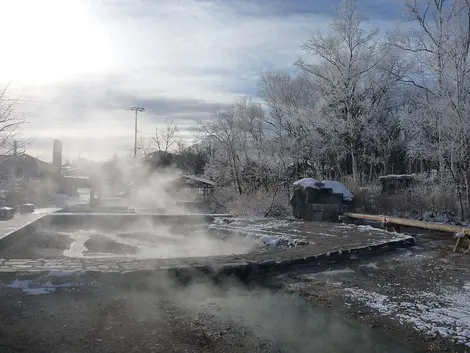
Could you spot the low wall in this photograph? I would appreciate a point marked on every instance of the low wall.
(118, 220)
(21, 236)
(187, 269)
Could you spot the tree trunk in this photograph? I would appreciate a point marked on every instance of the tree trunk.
(354, 163)
(458, 187)
(385, 167)
(237, 176)
(466, 188)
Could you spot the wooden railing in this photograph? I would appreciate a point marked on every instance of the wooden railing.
(459, 231)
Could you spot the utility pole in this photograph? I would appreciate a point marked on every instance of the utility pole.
(135, 109)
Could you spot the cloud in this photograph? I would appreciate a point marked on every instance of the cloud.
(179, 59)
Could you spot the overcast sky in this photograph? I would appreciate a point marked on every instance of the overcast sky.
(77, 64)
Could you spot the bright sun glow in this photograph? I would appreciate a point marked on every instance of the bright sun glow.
(44, 41)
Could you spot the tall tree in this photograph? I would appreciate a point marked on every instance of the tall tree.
(439, 45)
(351, 78)
(11, 121)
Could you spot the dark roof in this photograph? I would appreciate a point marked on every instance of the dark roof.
(199, 180)
(397, 177)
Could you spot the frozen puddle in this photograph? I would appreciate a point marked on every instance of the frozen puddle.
(445, 313)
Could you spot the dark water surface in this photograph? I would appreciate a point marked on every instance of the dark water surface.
(291, 324)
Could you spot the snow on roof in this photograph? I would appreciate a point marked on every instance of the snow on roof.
(335, 186)
(339, 188)
(78, 177)
(309, 182)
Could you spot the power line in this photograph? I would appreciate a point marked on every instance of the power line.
(59, 103)
(136, 109)
(73, 104)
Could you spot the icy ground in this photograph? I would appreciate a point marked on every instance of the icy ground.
(268, 232)
(285, 233)
(444, 312)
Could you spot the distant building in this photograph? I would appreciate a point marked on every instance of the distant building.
(24, 166)
(57, 154)
(158, 159)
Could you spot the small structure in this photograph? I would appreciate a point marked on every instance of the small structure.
(94, 198)
(393, 183)
(205, 185)
(6, 212)
(319, 201)
(27, 208)
(24, 166)
(100, 203)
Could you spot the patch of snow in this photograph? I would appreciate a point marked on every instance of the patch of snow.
(339, 188)
(268, 232)
(29, 287)
(334, 284)
(270, 241)
(372, 265)
(379, 302)
(327, 235)
(445, 313)
(20, 284)
(218, 221)
(336, 272)
(35, 291)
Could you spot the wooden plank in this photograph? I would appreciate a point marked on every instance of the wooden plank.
(366, 216)
(411, 223)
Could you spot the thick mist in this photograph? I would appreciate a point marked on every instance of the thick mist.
(184, 232)
(284, 322)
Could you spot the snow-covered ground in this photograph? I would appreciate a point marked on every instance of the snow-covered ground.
(424, 287)
(269, 232)
(444, 312)
(292, 233)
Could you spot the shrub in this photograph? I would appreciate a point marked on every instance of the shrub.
(271, 203)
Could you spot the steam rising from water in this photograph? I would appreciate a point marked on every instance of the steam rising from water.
(284, 323)
(151, 192)
(158, 241)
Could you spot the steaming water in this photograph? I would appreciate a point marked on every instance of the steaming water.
(77, 248)
(160, 243)
(287, 321)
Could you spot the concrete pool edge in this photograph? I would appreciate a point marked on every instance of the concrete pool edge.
(23, 226)
(57, 216)
(83, 270)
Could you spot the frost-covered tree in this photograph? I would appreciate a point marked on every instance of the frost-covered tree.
(289, 120)
(354, 77)
(438, 44)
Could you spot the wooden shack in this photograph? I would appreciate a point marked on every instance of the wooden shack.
(316, 203)
(393, 183)
(205, 186)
